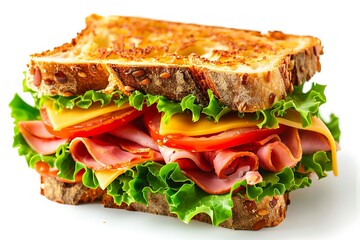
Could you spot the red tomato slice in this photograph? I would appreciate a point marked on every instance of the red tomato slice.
(101, 124)
(44, 170)
(226, 139)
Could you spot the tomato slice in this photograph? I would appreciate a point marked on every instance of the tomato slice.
(95, 126)
(226, 139)
(44, 170)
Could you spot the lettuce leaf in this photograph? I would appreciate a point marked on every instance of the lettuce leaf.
(319, 162)
(188, 103)
(214, 109)
(186, 200)
(306, 103)
(22, 111)
(86, 100)
(333, 126)
(136, 183)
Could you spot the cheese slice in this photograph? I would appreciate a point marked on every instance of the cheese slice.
(181, 123)
(105, 177)
(293, 120)
(69, 117)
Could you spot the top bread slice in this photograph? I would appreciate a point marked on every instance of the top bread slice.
(246, 70)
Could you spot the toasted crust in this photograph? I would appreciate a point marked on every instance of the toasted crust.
(68, 193)
(247, 214)
(246, 70)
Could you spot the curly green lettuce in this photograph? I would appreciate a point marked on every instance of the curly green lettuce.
(306, 103)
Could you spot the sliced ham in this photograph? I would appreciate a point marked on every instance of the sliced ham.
(212, 184)
(215, 172)
(109, 151)
(39, 138)
(37, 128)
(131, 133)
(185, 159)
(229, 163)
(312, 142)
(97, 154)
(276, 155)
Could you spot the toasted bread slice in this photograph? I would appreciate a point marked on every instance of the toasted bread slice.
(68, 193)
(247, 214)
(246, 70)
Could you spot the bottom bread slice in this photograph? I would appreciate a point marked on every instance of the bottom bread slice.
(246, 214)
(68, 193)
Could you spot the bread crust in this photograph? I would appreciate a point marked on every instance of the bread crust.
(243, 83)
(68, 193)
(247, 214)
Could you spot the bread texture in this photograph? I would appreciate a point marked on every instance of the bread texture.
(247, 214)
(246, 70)
(68, 193)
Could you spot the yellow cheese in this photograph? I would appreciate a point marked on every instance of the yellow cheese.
(70, 117)
(182, 124)
(105, 177)
(293, 120)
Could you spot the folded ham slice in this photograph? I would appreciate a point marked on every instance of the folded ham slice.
(312, 142)
(113, 150)
(212, 184)
(185, 159)
(133, 134)
(215, 172)
(39, 138)
(276, 155)
(229, 163)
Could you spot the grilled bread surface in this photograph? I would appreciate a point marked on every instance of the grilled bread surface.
(246, 70)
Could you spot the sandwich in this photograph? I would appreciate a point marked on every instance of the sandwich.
(190, 121)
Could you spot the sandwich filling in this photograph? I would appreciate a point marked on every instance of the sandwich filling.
(198, 156)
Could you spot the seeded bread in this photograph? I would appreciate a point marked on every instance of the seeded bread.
(246, 70)
(68, 193)
(247, 214)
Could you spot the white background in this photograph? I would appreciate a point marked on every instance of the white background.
(327, 210)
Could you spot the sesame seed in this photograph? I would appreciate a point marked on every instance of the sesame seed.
(68, 94)
(165, 75)
(145, 82)
(82, 74)
(129, 88)
(263, 212)
(138, 73)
